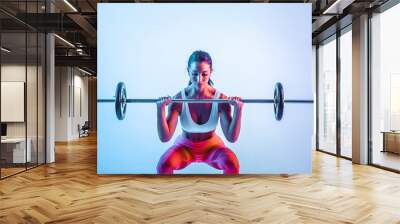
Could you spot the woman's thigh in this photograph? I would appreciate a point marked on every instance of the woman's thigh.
(175, 158)
(223, 158)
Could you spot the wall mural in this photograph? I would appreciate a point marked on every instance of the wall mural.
(204, 88)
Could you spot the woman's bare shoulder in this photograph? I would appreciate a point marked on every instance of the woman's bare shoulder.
(222, 96)
(224, 106)
(178, 95)
(177, 106)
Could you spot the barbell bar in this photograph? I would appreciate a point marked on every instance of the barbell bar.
(152, 100)
(121, 101)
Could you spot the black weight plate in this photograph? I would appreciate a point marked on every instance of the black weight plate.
(120, 101)
(279, 101)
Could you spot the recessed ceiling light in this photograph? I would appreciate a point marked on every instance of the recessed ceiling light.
(5, 50)
(70, 5)
(65, 41)
(84, 71)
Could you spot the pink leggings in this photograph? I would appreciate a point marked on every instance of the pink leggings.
(211, 151)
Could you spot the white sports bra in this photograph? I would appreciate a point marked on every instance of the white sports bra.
(188, 125)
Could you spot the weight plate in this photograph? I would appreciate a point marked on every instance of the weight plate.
(279, 101)
(120, 101)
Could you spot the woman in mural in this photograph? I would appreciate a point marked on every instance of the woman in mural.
(198, 141)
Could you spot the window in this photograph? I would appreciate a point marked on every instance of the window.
(327, 96)
(346, 93)
(385, 89)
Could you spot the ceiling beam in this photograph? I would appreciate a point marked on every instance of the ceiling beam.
(86, 26)
(82, 61)
(337, 6)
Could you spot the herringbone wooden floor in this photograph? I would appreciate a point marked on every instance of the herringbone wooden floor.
(70, 191)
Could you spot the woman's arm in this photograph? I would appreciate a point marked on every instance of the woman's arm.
(231, 125)
(166, 124)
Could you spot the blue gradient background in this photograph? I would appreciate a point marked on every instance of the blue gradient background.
(253, 46)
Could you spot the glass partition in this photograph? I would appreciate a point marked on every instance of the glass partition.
(41, 91)
(32, 95)
(14, 153)
(22, 88)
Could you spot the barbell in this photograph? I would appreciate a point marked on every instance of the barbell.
(121, 101)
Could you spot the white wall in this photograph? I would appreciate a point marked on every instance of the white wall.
(61, 103)
(71, 94)
(81, 84)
